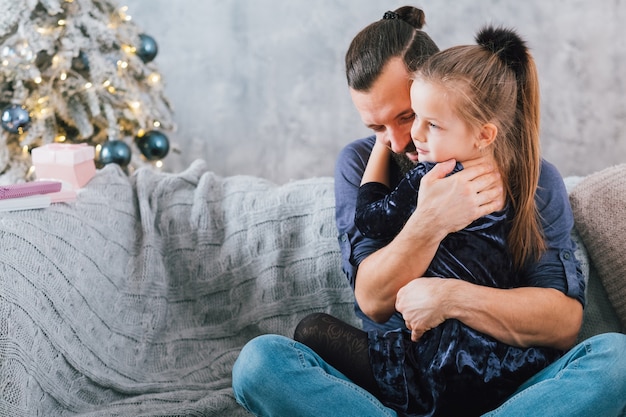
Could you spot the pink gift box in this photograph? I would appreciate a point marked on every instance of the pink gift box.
(71, 163)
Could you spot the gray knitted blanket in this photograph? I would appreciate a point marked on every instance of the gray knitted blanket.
(136, 299)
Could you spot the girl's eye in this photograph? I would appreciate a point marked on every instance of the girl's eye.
(434, 126)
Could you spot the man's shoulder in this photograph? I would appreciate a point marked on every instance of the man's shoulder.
(552, 199)
(551, 186)
(353, 158)
(360, 148)
(549, 174)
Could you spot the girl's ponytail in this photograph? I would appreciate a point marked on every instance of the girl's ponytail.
(526, 237)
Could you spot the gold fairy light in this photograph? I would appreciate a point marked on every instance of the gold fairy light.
(122, 13)
(44, 30)
(154, 78)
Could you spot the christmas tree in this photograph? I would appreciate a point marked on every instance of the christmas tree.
(78, 71)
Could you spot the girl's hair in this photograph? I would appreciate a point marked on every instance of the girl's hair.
(397, 34)
(496, 82)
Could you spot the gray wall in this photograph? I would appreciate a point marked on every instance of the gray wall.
(258, 86)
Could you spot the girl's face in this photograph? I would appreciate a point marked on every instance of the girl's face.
(437, 132)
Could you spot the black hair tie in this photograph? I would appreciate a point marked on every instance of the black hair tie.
(391, 15)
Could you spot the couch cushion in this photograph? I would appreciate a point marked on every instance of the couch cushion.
(598, 203)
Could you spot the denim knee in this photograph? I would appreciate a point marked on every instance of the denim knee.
(614, 346)
(249, 364)
(256, 365)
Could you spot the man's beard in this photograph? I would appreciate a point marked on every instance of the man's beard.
(404, 163)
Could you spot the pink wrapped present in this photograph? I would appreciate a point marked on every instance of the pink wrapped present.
(71, 163)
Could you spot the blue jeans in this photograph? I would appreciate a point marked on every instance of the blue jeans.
(276, 376)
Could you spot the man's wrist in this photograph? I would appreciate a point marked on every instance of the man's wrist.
(454, 292)
(426, 226)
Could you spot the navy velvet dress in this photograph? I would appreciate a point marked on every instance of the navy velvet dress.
(453, 370)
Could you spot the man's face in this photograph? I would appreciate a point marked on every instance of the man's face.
(386, 109)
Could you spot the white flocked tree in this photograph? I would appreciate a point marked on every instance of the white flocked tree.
(78, 71)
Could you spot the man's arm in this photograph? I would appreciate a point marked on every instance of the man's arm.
(528, 316)
(445, 205)
(545, 310)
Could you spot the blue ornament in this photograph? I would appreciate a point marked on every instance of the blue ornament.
(15, 119)
(147, 49)
(115, 151)
(153, 145)
(81, 62)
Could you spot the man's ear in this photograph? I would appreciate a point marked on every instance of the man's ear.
(487, 135)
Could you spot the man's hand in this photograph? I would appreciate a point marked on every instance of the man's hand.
(458, 200)
(422, 305)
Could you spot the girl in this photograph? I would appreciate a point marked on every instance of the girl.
(470, 102)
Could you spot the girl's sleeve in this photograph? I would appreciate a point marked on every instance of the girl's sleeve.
(381, 213)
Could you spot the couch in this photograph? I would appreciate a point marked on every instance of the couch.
(135, 299)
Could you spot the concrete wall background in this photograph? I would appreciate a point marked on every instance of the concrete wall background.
(258, 86)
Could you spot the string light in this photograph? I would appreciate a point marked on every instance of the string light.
(44, 31)
(122, 13)
(154, 78)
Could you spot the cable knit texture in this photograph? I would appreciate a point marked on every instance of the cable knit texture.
(136, 299)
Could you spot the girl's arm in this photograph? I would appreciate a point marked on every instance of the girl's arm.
(377, 169)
